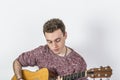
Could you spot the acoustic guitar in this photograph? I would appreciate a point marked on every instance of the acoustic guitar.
(45, 74)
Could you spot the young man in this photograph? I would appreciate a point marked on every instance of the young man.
(55, 55)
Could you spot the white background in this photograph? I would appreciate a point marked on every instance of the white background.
(93, 28)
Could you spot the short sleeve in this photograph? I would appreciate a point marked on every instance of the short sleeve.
(29, 58)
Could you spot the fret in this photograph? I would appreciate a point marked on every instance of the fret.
(79, 75)
(52, 78)
(83, 74)
(64, 78)
(75, 75)
(72, 77)
(68, 77)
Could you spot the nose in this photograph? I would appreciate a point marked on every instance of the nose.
(54, 44)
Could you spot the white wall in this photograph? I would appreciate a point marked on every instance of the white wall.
(92, 25)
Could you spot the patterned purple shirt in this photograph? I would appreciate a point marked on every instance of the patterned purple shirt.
(42, 57)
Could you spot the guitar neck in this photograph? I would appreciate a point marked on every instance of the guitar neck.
(72, 76)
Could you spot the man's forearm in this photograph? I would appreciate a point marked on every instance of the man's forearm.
(17, 69)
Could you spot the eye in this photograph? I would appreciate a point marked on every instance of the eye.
(49, 41)
(58, 40)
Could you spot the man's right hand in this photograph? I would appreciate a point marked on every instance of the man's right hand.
(17, 69)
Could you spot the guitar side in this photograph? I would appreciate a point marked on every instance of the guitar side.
(42, 74)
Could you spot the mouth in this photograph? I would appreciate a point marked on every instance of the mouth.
(55, 50)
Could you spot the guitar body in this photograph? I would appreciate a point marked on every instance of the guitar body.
(42, 74)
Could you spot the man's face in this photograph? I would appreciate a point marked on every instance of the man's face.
(56, 41)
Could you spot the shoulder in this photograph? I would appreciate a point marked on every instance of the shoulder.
(42, 48)
(76, 55)
(79, 59)
(38, 50)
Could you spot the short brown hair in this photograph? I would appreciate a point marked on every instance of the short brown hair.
(52, 25)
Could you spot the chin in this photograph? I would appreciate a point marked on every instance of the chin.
(56, 52)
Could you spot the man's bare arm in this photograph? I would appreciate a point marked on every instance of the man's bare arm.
(17, 69)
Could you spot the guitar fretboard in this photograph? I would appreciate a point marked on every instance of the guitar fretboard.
(72, 76)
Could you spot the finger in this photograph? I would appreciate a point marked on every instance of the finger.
(61, 78)
(58, 78)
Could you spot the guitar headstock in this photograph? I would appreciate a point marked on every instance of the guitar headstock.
(102, 72)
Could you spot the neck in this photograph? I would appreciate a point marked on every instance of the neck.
(64, 52)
